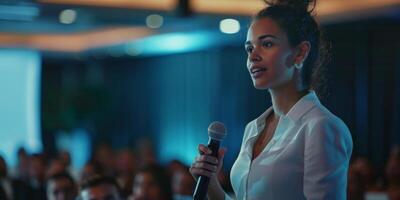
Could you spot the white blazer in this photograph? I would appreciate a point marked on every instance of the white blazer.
(307, 158)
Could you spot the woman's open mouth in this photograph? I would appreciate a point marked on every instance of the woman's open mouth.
(256, 72)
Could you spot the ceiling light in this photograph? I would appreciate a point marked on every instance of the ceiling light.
(154, 21)
(229, 26)
(67, 16)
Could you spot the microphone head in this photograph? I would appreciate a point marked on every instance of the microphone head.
(217, 131)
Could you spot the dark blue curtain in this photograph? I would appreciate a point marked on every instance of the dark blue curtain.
(177, 96)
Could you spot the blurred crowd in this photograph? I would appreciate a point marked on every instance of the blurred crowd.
(367, 183)
(109, 174)
(125, 174)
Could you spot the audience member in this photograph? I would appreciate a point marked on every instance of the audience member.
(151, 183)
(175, 165)
(91, 168)
(65, 158)
(145, 152)
(104, 155)
(22, 171)
(392, 173)
(37, 175)
(55, 167)
(99, 187)
(364, 168)
(355, 186)
(61, 186)
(125, 167)
(183, 184)
(10, 188)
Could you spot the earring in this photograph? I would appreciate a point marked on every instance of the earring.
(298, 66)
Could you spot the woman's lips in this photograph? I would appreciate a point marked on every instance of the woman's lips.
(257, 72)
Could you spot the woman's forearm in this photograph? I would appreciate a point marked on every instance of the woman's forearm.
(215, 191)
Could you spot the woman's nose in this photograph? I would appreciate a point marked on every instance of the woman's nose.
(255, 56)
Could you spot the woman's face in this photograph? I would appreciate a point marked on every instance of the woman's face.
(270, 57)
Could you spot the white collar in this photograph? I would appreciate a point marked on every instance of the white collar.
(301, 107)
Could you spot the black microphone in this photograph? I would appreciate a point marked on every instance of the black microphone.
(216, 133)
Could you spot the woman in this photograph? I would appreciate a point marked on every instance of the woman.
(296, 149)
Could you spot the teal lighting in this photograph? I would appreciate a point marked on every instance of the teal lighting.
(172, 43)
(186, 88)
(77, 143)
(19, 102)
(21, 13)
(180, 143)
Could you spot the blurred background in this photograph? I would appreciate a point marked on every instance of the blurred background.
(85, 78)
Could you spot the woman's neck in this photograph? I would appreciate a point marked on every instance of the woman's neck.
(284, 97)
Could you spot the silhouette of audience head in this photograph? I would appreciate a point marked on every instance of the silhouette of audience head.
(61, 186)
(183, 182)
(392, 170)
(37, 167)
(3, 168)
(91, 168)
(152, 183)
(99, 187)
(355, 186)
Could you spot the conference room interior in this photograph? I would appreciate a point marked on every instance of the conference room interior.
(116, 85)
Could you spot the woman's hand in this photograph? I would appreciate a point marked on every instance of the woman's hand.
(205, 164)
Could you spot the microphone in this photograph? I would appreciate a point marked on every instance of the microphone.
(216, 133)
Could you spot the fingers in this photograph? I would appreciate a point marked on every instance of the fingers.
(221, 153)
(204, 149)
(200, 172)
(205, 164)
(208, 159)
(203, 169)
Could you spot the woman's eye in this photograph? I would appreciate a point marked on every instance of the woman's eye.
(267, 44)
(249, 49)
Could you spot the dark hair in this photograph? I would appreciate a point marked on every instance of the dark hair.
(97, 180)
(296, 18)
(97, 167)
(2, 159)
(161, 177)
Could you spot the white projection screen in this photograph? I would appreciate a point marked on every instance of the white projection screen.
(19, 102)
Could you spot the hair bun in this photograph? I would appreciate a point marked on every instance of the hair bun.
(300, 5)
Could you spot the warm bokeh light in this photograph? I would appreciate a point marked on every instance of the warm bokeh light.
(148, 4)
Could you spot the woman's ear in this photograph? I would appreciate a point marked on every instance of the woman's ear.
(302, 52)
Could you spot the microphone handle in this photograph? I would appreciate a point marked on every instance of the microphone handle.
(200, 192)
